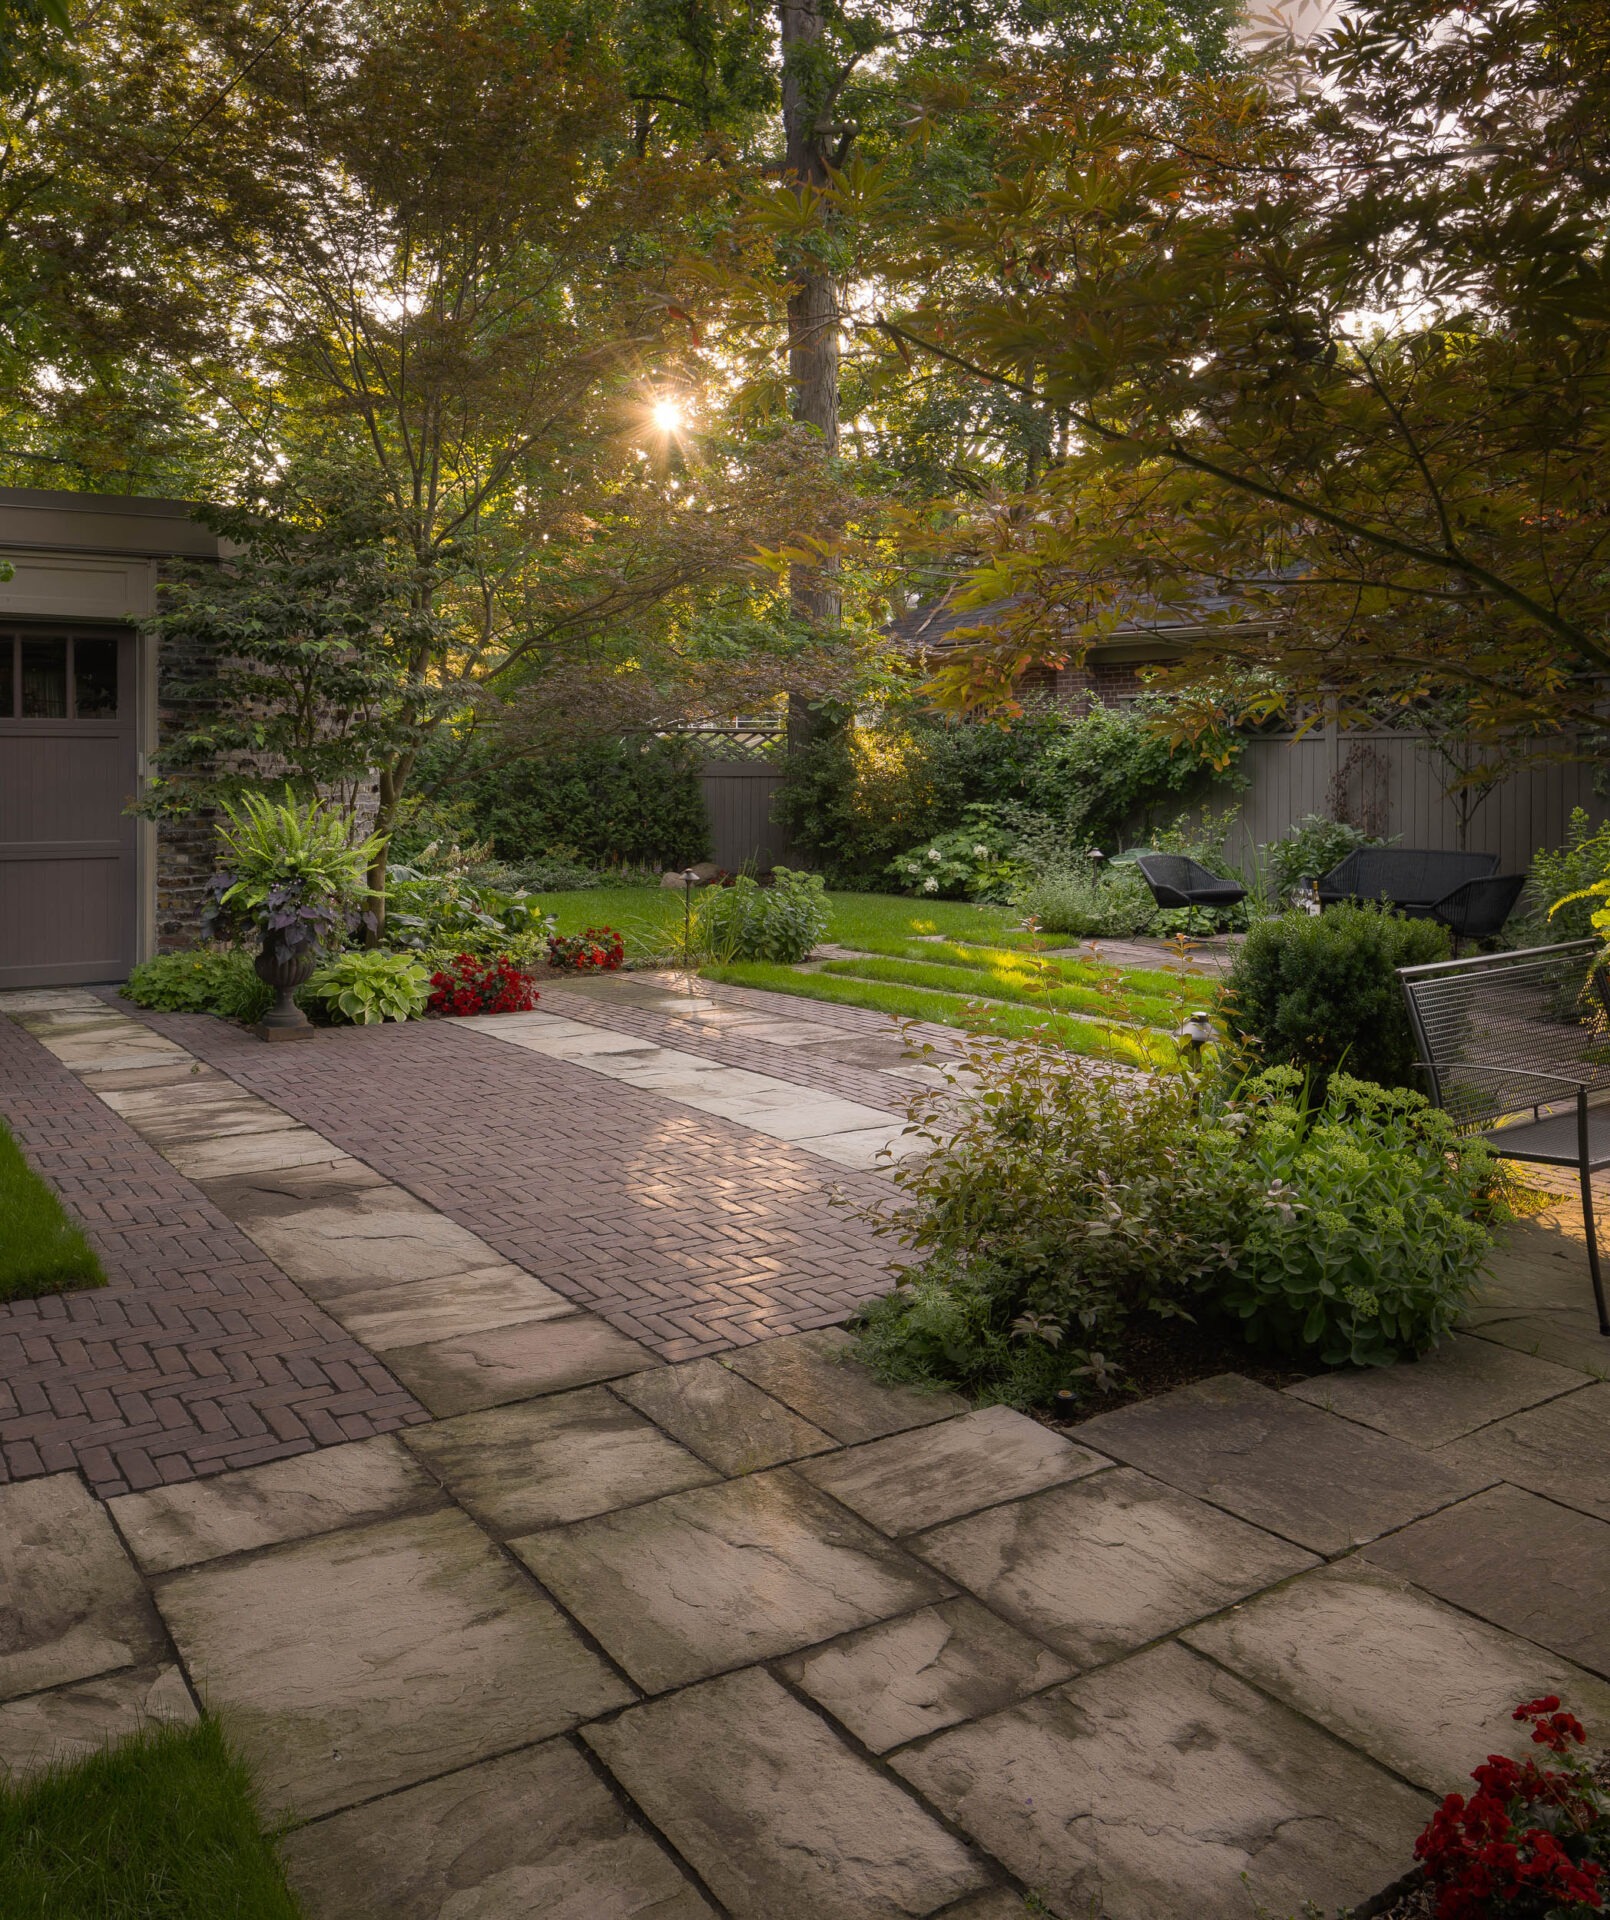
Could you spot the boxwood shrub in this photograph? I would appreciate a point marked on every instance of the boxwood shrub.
(1318, 992)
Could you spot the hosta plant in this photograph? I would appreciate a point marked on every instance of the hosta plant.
(365, 989)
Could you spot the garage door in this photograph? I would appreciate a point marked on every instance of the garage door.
(67, 772)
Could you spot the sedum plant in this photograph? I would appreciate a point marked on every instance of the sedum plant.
(1366, 1237)
(365, 989)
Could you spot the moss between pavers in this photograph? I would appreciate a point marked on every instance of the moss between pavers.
(41, 1251)
(164, 1822)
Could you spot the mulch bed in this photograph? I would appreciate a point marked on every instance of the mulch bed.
(1170, 1354)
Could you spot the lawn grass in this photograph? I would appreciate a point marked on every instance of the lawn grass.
(1143, 1047)
(1022, 984)
(41, 1251)
(161, 1824)
(646, 915)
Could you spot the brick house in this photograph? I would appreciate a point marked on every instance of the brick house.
(86, 889)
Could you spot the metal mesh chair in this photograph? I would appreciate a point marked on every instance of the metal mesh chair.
(1176, 881)
(1516, 1047)
(1477, 909)
(1412, 879)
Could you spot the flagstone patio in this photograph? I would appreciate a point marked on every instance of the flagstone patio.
(600, 1630)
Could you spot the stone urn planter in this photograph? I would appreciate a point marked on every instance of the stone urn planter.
(284, 970)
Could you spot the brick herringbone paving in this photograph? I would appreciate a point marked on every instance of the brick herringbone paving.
(198, 1355)
(690, 1233)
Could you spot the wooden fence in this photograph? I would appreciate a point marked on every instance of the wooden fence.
(1392, 784)
(1396, 785)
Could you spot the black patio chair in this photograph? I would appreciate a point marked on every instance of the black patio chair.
(1477, 909)
(1176, 881)
(1516, 1047)
(1412, 879)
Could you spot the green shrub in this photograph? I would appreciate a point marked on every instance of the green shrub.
(1089, 902)
(611, 801)
(1578, 863)
(1366, 1242)
(41, 1250)
(1310, 847)
(747, 921)
(365, 989)
(858, 796)
(975, 861)
(1318, 992)
(457, 900)
(218, 980)
(1059, 1206)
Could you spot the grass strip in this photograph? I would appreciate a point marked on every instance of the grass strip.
(1023, 987)
(163, 1823)
(41, 1251)
(964, 1011)
(1157, 999)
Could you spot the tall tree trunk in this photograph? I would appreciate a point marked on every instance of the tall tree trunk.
(813, 309)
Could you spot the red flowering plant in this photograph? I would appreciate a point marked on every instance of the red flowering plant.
(472, 985)
(1532, 1841)
(598, 950)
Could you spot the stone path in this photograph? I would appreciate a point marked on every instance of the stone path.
(751, 1635)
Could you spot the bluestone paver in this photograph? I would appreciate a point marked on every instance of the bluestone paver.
(776, 1814)
(1424, 1689)
(70, 1723)
(472, 1370)
(562, 1458)
(1560, 1449)
(199, 1520)
(699, 1582)
(1324, 1482)
(815, 1375)
(918, 1479)
(1461, 1385)
(355, 1663)
(531, 1834)
(1099, 1566)
(720, 1416)
(1524, 1563)
(1165, 1786)
(894, 1682)
(70, 1603)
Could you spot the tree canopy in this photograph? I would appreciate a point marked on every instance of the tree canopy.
(1327, 338)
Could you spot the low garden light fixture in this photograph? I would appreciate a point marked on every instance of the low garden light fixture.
(1196, 1032)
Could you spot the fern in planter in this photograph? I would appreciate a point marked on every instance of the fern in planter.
(365, 989)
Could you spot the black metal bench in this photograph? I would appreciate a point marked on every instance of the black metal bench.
(1516, 1046)
(1176, 881)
